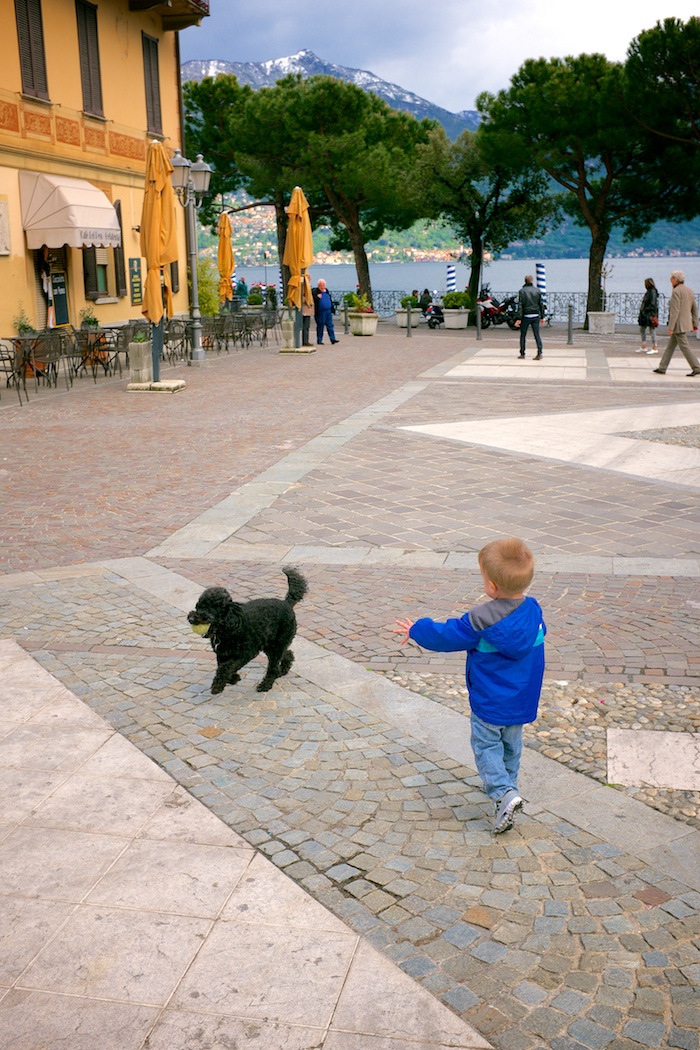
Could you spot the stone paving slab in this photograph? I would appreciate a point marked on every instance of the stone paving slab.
(130, 916)
(660, 759)
(590, 439)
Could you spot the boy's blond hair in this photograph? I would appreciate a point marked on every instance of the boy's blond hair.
(508, 563)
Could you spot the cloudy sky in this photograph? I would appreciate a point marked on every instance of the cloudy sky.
(446, 54)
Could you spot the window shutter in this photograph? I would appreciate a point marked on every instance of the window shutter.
(119, 267)
(150, 67)
(175, 276)
(92, 290)
(88, 47)
(30, 34)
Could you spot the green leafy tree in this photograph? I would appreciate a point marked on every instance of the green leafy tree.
(488, 205)
(567, 117)
(208, 108)
(222, 120)
(662, 94)
(347, 149)
(356, 150)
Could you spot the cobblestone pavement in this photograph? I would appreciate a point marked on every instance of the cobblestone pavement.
(575, 929)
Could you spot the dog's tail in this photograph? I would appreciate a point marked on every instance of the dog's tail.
(297, 585)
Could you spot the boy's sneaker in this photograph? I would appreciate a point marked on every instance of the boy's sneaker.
(506, 809)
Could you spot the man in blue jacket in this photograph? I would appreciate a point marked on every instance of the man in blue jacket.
(323, 310)
(504, 641)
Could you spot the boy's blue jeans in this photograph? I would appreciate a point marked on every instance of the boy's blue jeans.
(497, 751)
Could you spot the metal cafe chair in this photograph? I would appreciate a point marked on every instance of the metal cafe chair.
(256, 329)
(212, 333)
(176, 345)
(11, 366)
(91, 352)
(48, 359)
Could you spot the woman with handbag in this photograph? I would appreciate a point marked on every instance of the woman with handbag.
(648, 317)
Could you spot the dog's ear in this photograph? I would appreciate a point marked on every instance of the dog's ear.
(232, 619)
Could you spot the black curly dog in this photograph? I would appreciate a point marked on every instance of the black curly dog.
(239, 631)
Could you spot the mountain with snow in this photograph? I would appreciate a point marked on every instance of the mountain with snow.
(306, 63)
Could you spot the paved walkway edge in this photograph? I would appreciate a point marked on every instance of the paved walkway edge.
(177, 958)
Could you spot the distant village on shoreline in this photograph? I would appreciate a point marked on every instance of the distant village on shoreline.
(254, 233)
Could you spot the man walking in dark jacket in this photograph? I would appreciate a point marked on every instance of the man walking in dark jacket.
(530, 313)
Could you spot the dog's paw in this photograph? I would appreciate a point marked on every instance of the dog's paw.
(217, 686)
(264, 686)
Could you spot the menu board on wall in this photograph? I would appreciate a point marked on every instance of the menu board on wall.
(135, 282)
(60, 297)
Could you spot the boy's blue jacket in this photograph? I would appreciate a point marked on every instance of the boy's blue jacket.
(505, 661)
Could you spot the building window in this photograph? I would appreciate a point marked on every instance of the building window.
(30, 33)
(119, 264)
(89, 58)
(150, 68)
(99, 273)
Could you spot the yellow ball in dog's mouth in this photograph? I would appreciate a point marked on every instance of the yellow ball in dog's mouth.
(201, 628)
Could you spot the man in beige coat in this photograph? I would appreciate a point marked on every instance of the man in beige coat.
(682, 318)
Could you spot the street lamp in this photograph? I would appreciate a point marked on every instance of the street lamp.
(191, 182)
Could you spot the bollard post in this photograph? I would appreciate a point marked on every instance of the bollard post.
(346, 322)
(478, 322)
(408, 321)
(157, 333)
(570, 326)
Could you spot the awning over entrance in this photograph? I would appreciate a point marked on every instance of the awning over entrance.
(57, 210)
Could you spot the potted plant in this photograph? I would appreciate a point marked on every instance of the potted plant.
(402, 314)
(255, 299)
(88, 319)
(21, 322)
(141, 357)
(361, 315)
(456, 307)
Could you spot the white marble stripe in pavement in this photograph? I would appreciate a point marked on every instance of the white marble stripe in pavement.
(589, 438)
(130, 915)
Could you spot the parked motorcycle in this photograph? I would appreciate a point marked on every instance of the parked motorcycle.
(495, 312)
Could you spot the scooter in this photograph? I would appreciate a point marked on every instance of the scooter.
(435, 315)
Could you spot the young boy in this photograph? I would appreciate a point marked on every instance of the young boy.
(504, 641)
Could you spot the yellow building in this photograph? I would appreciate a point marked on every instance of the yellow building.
(84, 87)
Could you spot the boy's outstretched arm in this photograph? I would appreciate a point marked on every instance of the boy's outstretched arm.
(404, 626)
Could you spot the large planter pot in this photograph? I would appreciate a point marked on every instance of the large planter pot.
(287, 326)
(456, 318)
(141, 362)
(402, 317)
(601, 322)
(362, 324)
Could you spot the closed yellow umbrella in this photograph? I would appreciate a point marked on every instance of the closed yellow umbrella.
(225, 259)
(158, 233)
(298, 249)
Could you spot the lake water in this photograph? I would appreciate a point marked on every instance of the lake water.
(505, 275)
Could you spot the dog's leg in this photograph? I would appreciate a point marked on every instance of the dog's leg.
(268, 681)
(226, 674)
(286, 662)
